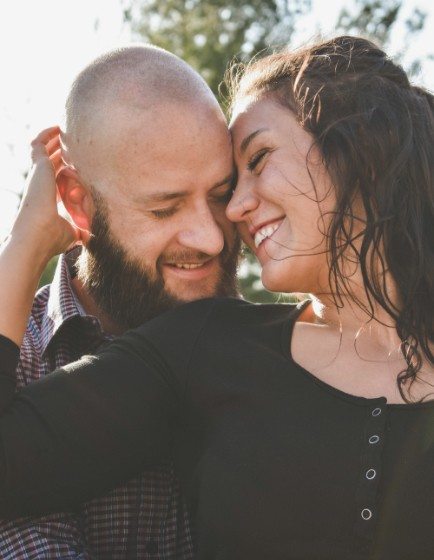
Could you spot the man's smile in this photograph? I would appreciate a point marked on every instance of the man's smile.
(192, 270)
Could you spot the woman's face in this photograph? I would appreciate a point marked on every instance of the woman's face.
(283, 196)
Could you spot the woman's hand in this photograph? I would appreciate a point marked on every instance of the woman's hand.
(38, 222)
(39, 232)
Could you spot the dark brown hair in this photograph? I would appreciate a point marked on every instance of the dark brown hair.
(375, 133)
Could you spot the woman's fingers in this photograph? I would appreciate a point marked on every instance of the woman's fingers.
(53, 145)
(39, 144)
(56, 159)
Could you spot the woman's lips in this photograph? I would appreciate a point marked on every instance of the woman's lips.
(266, 231)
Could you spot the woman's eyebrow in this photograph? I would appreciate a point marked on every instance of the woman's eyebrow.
(245, 143)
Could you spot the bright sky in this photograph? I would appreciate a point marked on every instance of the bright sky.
(45, 44)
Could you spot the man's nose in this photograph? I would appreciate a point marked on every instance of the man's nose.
(203, 234)
(243, 202)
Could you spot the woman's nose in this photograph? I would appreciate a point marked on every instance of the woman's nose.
(240, 205)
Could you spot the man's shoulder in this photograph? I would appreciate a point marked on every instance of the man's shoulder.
(189, 318)
(192, 317)
(176, 330)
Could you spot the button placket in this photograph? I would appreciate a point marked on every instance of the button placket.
(370, 469)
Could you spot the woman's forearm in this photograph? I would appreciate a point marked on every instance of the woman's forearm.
(21, 267)
(39, 233)
(81, 431)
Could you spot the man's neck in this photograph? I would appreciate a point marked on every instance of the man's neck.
(91, 308)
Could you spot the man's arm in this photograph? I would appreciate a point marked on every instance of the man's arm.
(50, 537)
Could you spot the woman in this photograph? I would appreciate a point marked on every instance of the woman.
(293, 439)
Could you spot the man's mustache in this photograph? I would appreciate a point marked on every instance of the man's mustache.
(185, 257)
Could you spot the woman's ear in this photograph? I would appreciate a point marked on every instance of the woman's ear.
(77, 199)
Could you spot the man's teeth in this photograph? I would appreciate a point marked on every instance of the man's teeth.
(187, 266)
(263, 233)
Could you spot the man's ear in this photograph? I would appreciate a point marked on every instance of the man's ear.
(77, 199)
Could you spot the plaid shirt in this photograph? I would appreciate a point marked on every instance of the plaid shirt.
(145, 519)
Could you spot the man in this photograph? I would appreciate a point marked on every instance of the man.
(145, 178)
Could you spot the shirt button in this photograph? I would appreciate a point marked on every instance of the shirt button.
(370, 474)
(366, 514)
(374, 439)
(376, 412)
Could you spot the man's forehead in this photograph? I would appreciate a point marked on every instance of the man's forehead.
(158, 127)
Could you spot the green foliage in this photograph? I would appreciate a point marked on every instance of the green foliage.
(47, 275)
(208, 34)
(249, 280)
(373, 18)
(377, 19)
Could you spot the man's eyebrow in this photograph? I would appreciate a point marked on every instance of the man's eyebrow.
(244, 144)
(160, 196)
(226, 181)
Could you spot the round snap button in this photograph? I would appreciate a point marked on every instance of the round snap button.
(370, 474)
(366, 514)
(374, 439)
(376, 412)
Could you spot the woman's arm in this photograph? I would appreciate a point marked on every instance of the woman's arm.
(84, 429)
(39, 233)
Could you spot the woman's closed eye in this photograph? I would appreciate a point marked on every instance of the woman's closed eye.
(256, 158)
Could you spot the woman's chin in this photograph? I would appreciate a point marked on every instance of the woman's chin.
(273, 282)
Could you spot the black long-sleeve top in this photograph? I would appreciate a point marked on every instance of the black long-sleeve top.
(274, 463)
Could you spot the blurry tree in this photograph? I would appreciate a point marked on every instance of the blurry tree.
(378, 19)
(373, 18)
(209, 33)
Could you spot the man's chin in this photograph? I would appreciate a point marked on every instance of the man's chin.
(184, 294)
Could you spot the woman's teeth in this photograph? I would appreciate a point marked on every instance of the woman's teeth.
(264, 232)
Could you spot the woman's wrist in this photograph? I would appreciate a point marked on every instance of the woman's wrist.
(33, 254)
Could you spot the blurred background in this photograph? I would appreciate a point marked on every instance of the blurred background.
(45, 44)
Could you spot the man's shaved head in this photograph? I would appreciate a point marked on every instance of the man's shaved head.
(139, 76)
(134, 84)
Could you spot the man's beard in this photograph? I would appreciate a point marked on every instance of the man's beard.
(126, 290)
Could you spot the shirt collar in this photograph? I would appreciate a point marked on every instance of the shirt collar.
(62, 304)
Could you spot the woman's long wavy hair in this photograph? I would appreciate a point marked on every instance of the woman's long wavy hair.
(375, 133)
